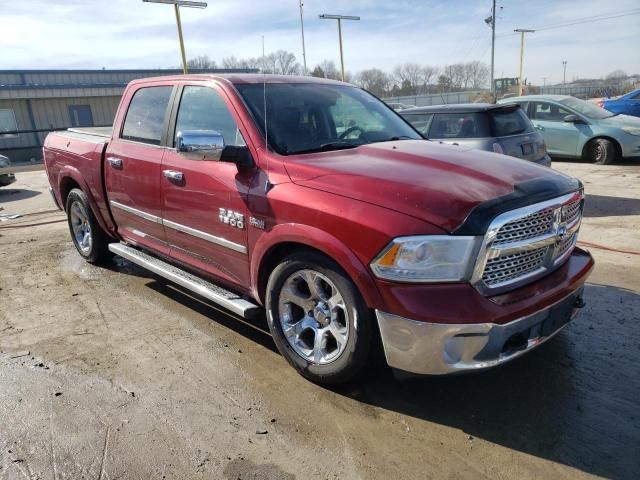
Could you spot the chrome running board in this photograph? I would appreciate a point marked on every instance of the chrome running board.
(219, 295)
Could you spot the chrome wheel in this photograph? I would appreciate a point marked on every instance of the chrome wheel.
(80, 226)
(313, 316)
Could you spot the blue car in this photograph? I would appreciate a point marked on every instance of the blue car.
(628, 104)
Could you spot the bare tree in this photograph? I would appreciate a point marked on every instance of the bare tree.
(285, 63)
(617, 75)
(408, 75)
(477, 74)
(231, 62)
(329, 70)
(202, 61)
(374, 80)
(428, 74)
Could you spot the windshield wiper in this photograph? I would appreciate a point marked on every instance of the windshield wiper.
(327, 147)
(393, 139)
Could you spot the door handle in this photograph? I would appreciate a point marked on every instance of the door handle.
(173, 175)
(115, 162)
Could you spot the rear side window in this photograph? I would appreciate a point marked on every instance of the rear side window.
(459, 125)
(509, 122)
(145, 117)
(201, 108)
(420, 121)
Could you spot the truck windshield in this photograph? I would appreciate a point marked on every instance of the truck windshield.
(311, 117)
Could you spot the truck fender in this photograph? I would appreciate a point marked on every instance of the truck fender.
(69, 171)
(317, 239)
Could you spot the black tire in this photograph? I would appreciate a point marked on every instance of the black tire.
(350, 362)
(601, 151)
(96, 250)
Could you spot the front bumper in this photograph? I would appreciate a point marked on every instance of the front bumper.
(436, 349)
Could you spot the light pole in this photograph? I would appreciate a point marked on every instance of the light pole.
(521, 31)
(339, 18)
(176, 6)
(304, 53)
(564, 75)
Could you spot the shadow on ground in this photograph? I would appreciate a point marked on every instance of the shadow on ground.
(573, 401)
(14, 194)
(605, 206)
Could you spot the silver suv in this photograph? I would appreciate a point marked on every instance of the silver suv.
(501, 128)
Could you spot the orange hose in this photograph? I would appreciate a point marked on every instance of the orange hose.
(610, 249)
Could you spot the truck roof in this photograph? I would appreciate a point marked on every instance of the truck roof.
(243, 78)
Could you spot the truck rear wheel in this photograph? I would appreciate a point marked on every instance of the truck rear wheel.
(87, 235)
(318, 319)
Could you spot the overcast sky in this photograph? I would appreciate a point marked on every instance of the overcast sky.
(132, 34)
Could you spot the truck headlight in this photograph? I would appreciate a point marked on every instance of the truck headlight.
(429, 258)
(631, 130)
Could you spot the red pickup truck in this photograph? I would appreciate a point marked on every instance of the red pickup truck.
(313, 199)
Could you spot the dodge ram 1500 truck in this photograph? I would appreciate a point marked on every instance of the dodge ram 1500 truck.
(314, 200)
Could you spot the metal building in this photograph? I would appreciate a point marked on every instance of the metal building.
(35, 102)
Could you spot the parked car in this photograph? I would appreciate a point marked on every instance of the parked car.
(7, 176)
(483, 126)
(628, 104)
(575, 128)
(399, 106)
(241, 189)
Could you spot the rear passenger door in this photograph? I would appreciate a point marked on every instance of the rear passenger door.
(133, 167)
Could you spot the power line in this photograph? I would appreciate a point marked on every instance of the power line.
(580, 21)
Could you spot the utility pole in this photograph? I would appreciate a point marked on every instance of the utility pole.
(544, 81)
(339, 18)
(521, 31)
(176, 6)
(564, 75)
(491, 21)
(304, 53)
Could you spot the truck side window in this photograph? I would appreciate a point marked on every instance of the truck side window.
(145, 117)
(202, 108)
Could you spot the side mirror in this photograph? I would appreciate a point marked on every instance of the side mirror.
(202, 144)
(240, 155)
(572, 119)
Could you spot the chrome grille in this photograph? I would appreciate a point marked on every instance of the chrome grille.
(526, 243)
(531, 226)
(503, 269)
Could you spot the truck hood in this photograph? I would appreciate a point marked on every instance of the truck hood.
(440, 184)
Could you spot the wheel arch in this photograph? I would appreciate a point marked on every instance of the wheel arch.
(615, 142)
(70, 178)
(283, 240)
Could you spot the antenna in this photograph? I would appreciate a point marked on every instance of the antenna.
(267, 183)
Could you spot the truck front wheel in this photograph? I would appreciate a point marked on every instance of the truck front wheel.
(88, 238)
(318, 319)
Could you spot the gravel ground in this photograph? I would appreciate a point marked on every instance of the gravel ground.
(112, 373)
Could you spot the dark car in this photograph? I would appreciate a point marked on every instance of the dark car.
(501, 128)
(6, 175)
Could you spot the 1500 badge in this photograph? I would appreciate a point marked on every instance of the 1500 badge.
(231, 218)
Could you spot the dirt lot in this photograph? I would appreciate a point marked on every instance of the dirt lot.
(112, 373)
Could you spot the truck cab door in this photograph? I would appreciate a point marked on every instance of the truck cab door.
(133, 167)
(204, 201)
